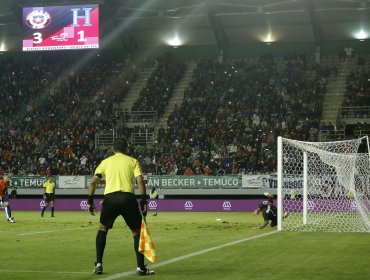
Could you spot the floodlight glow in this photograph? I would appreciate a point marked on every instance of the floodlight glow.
(269, 38)
(175, 41)
(2, 47)
(361, 35)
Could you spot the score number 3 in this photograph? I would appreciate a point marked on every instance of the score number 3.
(37, 38)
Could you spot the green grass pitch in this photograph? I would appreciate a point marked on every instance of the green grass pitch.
(189, 246)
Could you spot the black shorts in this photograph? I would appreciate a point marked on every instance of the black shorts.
(120, 203)
(270, 217)
(49, 197)
(274, 222)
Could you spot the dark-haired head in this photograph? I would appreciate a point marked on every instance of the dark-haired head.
(120, 145)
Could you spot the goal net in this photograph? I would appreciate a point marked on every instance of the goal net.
(323, 186)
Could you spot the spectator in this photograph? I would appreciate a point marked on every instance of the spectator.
(188, 171)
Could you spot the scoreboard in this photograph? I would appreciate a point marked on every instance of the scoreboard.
(61, 27)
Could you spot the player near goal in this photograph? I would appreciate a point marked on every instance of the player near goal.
(269, 212)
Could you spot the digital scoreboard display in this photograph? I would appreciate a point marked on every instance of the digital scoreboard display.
(61, 27)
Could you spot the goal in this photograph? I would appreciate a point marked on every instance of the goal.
(323, 186)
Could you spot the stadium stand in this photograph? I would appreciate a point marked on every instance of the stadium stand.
(228, 121)
(49, 120)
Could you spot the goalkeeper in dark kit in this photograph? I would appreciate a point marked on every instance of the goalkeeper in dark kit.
(269, 211)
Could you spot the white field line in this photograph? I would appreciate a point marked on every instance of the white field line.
(44, 271)
(128, 273)
(51, 231)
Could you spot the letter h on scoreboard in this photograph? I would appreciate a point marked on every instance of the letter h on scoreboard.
(86, 17)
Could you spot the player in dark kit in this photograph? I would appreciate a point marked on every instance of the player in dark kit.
(269, 211)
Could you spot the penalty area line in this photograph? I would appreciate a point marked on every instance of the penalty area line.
(123, 274)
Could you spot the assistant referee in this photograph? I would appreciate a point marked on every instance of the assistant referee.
(119, 171)
(49, 195)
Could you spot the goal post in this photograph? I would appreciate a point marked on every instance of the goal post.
(323, 186)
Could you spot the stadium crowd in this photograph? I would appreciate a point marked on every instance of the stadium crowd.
(358, 89)
(160, 85)
(233, 113)
(51, 110)
(228, 123)
(357, 97)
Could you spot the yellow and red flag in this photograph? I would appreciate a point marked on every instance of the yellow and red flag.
(146, 245)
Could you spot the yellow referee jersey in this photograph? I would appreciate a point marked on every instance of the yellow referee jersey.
(49, 187)
(119, 171)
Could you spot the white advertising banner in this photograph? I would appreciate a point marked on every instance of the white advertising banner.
(71, 182)
(259, 181)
